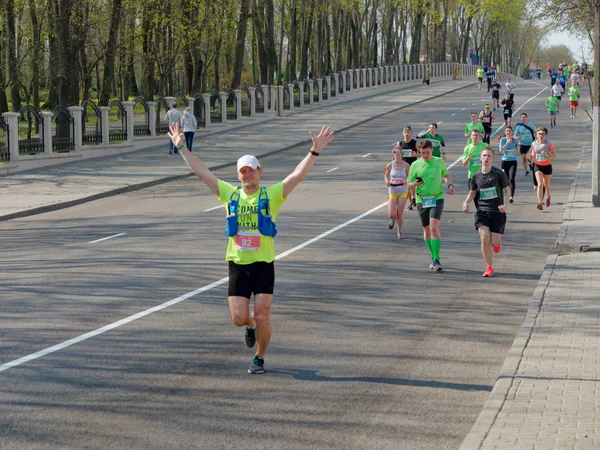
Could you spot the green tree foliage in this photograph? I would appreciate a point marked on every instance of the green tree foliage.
(69, 50)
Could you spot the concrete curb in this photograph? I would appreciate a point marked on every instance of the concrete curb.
(139, 186)
(501, 389)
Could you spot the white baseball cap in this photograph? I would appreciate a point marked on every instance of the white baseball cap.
(248, 160)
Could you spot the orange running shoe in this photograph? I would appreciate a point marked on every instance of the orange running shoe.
(489, 272)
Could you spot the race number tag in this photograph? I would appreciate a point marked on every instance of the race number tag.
(510, 152)
(397, 181)
(542, 157)
(488, 193)
(476, 162)
(507, 111)
(407, 152)
(247, 241)
(428, 202)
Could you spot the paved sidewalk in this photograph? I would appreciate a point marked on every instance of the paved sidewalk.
(548, 393)
(65, 185)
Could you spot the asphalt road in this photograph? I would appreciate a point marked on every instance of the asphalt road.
(370, 348)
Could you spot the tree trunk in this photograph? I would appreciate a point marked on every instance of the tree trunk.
(307, 24)
(293, 41)
(13, 72)
(109, 56)
(240, 47)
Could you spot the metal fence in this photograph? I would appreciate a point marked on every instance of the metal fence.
(161, 126)
(199, 110)
(215, 107)
(296, 94)
(63, 130)
(91, 123)
(4, 145)
(259, 108)
(117, 123)
(230, 104)
(246, 102)
(141, 117)
(31, 132)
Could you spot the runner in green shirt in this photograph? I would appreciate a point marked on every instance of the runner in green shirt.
(472, 156)
(574, 93)
(250, 225)
(552, 105)
(473, 125)
(437, 140)
(472, 153)
(426, 176)
(480, 73)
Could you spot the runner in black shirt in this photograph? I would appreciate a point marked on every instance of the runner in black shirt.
(496, 94)
(409, 155)
(507, 106)
(490, 219)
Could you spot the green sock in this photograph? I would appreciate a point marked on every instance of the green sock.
(435, 248)
(429, 246)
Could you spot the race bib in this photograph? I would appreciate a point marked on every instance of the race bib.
(429, 202)
(407, 152)
(476, 162)
(397, 181)
(488, 193)
(509, 153)
(507, 111)
(247, 241)
(542, 157)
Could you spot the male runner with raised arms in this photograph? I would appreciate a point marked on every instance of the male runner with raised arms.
(250, 225)
(426, 176)
(490, 218)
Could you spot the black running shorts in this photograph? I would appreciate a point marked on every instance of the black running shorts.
(524, 149)
(248, 279)
(426, 214)
(546, 170)
(495, 221)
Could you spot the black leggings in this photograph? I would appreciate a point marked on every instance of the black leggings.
(510, 169)
(487, 133)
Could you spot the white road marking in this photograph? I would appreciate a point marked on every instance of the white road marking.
(331, 170)
(368, 154)
(126, 320)
(108, 237)
(464, 109)
(212, 209)
(440, 122)
(452, 115)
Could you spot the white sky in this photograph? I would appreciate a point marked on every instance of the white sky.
(575, 44)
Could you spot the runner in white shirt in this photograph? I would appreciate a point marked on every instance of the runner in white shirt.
(510, 88)
(558, 91)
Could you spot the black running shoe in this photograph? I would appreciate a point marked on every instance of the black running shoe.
(250, 337)
(436, 265)
(258, 365)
